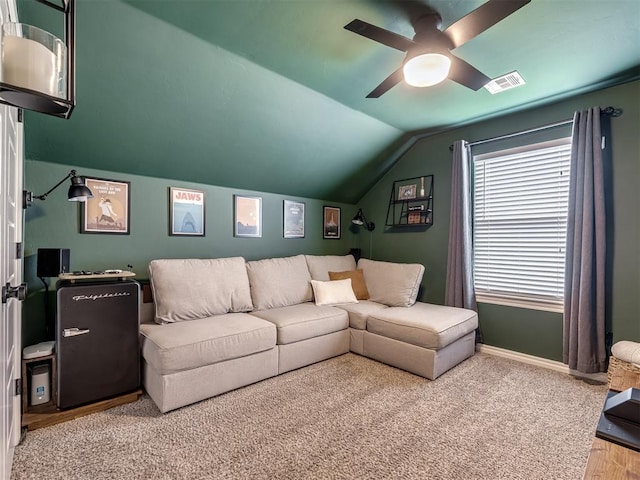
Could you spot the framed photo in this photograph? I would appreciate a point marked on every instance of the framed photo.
(108, 210)
(293, 219)
(186, 212)
(331, 222)
(248, 216)
(407, 192)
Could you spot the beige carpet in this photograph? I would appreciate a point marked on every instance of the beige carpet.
(346, 418)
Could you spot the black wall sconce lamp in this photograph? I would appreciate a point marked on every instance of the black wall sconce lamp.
(46, 84)
(360, 219)
(78, 191)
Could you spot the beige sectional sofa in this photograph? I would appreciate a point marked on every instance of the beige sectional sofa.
(220, 324)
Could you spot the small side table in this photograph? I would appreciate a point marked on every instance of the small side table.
(609, 461)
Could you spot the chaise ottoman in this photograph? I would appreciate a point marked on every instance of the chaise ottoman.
(424, 339)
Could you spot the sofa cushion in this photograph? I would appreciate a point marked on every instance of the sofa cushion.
(423, 324)
(357, 282)
(333, 292)
(321, 265)
(279, 282)
(394, 284)
(304, 321)
(187, 345)
(188, 289)
(359, 312)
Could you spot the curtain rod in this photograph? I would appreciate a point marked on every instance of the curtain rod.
(611, 111)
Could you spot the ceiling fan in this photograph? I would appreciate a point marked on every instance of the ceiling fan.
(429, 60)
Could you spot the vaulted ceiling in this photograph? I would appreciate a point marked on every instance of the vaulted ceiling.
(269, 95)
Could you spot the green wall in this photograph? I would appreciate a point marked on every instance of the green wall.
(532, 332)
(54, 223)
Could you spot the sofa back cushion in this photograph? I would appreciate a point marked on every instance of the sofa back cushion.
(392, 284)
(279, 282)
(321, 265)
(191, 288)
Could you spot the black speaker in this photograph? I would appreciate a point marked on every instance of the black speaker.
(53, 261)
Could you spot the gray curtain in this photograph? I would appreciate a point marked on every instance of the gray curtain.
(459, 287)
(584, 292)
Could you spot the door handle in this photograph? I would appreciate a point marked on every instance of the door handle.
(72, 332)
(19, 292)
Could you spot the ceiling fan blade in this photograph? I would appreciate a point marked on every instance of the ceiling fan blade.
(466, 74)
(482, 18)
(388, 83)
(380, 35)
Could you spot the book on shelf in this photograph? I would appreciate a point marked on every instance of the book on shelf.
(414, 217)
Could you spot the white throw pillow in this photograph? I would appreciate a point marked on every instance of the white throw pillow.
(334, 292)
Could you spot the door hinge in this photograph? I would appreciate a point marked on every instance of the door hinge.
(18, 386)
(20, 115)
(19, 250)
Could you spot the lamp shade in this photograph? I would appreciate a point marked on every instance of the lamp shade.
(78, 191)
(34, 59)
(358, 219)
(426, 69)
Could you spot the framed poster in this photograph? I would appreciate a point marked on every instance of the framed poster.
(108, 210)
(248, 216)
(331, 222)
(186, 212)
(293, 219)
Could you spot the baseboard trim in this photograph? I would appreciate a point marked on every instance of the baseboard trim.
(539, 362)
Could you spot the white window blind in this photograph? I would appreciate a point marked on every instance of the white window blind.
(520, 216)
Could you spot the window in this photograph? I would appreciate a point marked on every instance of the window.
(520, 216)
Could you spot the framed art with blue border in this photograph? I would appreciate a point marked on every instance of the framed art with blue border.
(186, 212)
(293, 219)
(248, 216)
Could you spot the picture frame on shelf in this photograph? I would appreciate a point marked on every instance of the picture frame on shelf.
(407, 192)
(331, 223)
(107, 212)
(293, 219)
(247, 216)
(186, 212)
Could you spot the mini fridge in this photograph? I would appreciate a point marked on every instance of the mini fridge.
(98, 353)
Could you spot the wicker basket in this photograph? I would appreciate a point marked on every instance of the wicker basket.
(615, 365)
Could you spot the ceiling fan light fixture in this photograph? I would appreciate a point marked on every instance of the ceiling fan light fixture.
(426, 69)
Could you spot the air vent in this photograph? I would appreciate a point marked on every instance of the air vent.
(505, 82)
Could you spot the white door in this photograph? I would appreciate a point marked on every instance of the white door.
(13, 291)
(11, 217)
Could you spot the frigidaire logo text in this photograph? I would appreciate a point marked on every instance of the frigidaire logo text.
(100, 296)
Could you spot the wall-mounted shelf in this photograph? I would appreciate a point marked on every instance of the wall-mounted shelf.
(411, 202)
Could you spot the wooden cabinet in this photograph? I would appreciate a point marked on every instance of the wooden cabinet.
(411, 202)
